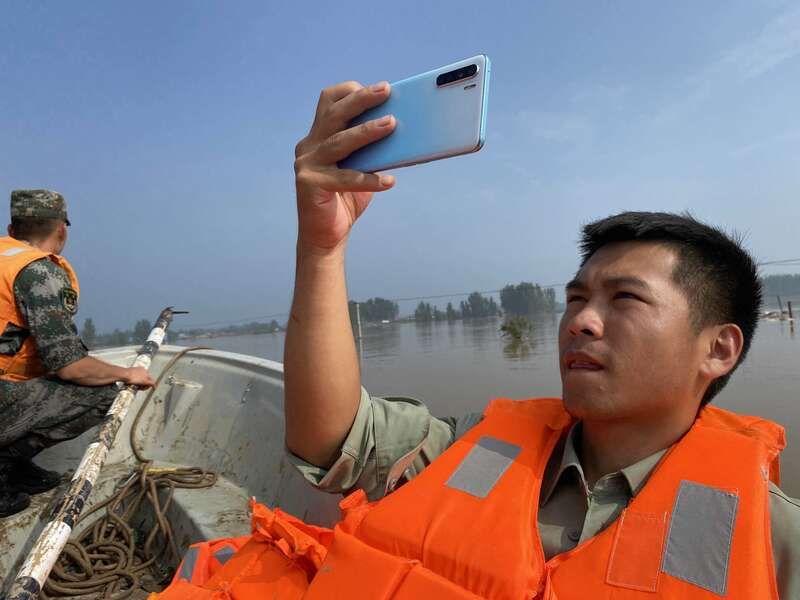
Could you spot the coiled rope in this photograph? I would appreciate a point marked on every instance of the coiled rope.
(109, 560)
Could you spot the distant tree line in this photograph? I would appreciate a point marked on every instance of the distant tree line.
(781, 285)
(118, 337)
(141, 329)
(475, 306)
(252, 328)
(527, 299)
(374, 310)
(522, 299)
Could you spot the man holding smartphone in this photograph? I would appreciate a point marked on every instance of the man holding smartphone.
(632, 484)
(642, 350)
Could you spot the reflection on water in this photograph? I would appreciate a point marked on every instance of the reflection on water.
(517, 349)
(457, 367)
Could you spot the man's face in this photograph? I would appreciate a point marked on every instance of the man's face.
(626, 345)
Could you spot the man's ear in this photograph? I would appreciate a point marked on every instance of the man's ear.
(723, 345)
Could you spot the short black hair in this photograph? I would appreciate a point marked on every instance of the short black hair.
(718, 276)
(31, 229)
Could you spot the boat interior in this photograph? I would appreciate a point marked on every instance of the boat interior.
(213, 410)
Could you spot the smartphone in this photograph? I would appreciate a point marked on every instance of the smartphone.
(441, 113)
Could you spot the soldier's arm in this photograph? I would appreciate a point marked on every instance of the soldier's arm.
(391, 441)
(321, 374)
(91, 371)
(46, 301)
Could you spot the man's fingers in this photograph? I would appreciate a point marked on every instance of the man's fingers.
(346, 180)
(342, 144)
(340, 113)
(333, 94)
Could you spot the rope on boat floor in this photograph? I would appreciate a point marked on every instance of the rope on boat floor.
(109, 560)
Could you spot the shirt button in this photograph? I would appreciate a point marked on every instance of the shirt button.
(574, 535)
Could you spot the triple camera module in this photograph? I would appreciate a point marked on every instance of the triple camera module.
(458, 75)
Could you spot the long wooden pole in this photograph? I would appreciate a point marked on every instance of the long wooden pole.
(36, 568)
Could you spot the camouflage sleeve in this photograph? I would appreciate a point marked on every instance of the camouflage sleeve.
(47, 301)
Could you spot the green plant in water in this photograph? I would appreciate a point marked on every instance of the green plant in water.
(516, 328)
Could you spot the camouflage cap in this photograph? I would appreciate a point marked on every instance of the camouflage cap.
(38, 204)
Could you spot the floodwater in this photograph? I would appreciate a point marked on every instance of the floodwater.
(457, 367)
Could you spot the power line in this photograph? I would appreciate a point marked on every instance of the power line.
(409, 299)
(785, 261)
(462, 294)
(781, 262)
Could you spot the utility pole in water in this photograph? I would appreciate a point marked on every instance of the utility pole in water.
(358, 325)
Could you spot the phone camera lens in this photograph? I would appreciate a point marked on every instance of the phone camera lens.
(456, 75)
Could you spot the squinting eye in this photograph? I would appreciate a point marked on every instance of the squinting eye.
(574, 299)
(628, 295)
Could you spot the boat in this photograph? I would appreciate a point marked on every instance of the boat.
(217, 411)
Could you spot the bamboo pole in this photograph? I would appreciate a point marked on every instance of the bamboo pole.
(36, 568)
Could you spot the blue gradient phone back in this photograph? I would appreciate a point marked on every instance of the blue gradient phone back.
(432, 122)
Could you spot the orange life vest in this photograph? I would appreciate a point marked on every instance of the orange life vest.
(466, 527)
(276, 561)
(15, 255)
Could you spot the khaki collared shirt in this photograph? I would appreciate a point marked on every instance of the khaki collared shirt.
(392, 439)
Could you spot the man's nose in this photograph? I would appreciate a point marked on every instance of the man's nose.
(586, 321)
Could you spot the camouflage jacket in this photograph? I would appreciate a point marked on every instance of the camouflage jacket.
(42, 291)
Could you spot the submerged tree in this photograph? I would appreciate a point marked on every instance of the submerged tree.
(516, 328)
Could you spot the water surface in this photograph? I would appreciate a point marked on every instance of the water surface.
(457, 367)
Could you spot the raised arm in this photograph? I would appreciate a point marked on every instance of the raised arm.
(322, 379)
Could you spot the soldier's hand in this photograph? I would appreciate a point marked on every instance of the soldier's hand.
(330, 199)
(139, 377)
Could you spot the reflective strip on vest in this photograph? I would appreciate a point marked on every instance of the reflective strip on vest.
(189, 562)
(483, 467)
(14, 251)
(224, 554)
(700, 534)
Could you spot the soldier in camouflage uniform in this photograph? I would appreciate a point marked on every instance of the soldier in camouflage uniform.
(58, 391)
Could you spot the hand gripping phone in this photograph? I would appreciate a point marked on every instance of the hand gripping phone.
(441, 113)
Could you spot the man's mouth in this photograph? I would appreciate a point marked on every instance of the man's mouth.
(577, 365)
(579, 361)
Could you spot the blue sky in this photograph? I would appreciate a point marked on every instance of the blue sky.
(170, 128)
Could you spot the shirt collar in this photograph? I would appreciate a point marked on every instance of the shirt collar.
(566, 453)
